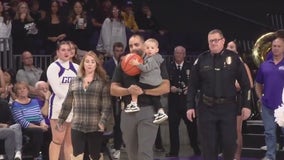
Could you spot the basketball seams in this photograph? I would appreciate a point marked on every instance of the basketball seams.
(128, 68)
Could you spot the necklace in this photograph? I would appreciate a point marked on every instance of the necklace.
(87, 82)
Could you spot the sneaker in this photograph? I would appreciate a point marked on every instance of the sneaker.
(18, 156)
(116, 154)
(2, 157)
(265, 147)
(101, 156)
(161, 149)
(132, 107)
(160, 117)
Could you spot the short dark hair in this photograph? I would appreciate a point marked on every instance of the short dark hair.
(117, 45)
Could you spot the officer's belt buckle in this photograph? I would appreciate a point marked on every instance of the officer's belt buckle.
(210, 101)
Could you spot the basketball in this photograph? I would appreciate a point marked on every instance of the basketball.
(128, 68)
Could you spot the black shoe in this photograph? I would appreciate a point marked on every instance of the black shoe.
(197, 152)
(171, 155)
(159, 149)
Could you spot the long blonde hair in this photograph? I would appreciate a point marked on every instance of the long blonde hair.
(99, 68)
(28, 16)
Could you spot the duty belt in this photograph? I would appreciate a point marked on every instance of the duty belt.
(212, 100)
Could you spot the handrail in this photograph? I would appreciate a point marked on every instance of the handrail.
(6, 56)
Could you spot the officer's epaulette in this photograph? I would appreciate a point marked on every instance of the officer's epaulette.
(203, 53)
(200, 55)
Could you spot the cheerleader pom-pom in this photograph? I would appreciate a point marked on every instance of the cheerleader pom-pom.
(279, 115)
(280, 122)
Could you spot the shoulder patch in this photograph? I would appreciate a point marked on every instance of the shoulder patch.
(241, 59)
(195, 62)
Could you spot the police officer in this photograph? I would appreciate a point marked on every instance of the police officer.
(214, 74)
(179, 72)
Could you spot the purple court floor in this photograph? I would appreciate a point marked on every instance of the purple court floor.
(195, 158)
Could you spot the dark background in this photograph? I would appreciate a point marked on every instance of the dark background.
(189, 21)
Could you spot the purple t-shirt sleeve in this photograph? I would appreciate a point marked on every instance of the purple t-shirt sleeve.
(259, 76)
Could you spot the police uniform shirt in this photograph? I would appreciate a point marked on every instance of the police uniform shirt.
(179, 77)
(215, 75)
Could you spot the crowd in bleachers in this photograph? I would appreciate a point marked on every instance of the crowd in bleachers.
(37, 25)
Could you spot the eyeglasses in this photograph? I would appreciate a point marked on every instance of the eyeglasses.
(215, 40)
(28, 58)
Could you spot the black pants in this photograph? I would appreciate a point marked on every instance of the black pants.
(93, 140)
(156, 100)
(176, 113)
(117, 135)
(35, 140)
(217, 126)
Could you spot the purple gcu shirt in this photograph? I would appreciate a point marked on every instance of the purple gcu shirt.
(272, 77)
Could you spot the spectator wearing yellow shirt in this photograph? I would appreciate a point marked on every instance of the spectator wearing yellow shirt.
(129, 18)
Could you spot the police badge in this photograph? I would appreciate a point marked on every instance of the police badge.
(229, 60)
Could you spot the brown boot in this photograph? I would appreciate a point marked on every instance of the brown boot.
(79, 157)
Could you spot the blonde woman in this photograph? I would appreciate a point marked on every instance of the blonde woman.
(89, 97)
(24, 30)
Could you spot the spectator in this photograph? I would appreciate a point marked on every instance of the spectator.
(113, 30)
(179, 72)
(79, 26)
(9, 139)
(129, 17)
(37, 14)
(2, 81)
(9, 80)
(43, 102)
(5, 28)
(269, 93)
(29, 73)
(24, 30)
(26, 112)
(54, 27)
(13, 5)
(74, 53)
(150, 27)
(232, 45)
(146, 21)
(98, 15)
(11, 131)
(109, 66)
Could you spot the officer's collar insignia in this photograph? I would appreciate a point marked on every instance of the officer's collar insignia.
(229, 60)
